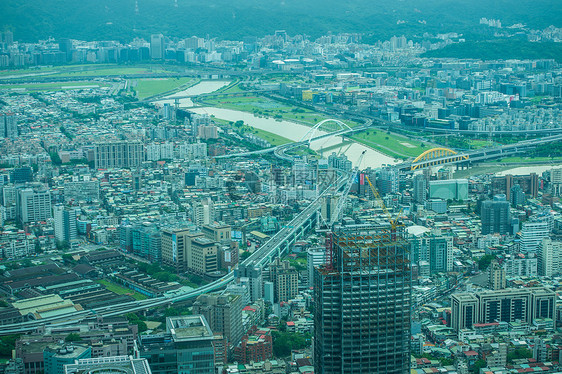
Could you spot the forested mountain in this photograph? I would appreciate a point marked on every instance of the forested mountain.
(31, 20)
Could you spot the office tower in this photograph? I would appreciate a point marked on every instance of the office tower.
(452, 189)
(157, 46)
(118, 155)
(434, 249)
(464, 311)
(532, 233)
(285, 280)
(315, 257)
(34, 204)
(517, 196)
(362, 303)
(176, 246)
(65, 223)
(186, 347)
(112, 364)
(8, 125)
(522, 305)
(328, 209)
(387, 180)
(549, 257)
(143, 240)
(254, 278)
(203, 212)
(496, 216)
(420, 188)
(496, 276)
(224, 314)
(202, 257)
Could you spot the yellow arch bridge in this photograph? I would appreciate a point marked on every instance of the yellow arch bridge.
(436, 156)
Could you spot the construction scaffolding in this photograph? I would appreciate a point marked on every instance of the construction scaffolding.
(363, 303)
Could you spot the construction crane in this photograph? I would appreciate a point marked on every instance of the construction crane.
(335, 217)
(393, 221)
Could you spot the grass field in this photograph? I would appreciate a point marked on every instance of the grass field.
(516, 159)
(90, 70)
(150, 87)
(272, 138)
(263, 106)
(391, 144)
(55, 86)
(120, 290)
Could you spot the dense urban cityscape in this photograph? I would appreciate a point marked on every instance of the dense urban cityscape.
(280, 204)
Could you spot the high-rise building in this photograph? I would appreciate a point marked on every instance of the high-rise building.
(34, 204)
(523, 305)
(550, 257)
(363, 302)
(315, 257)
(157, 46)
(224, 314)
(202, 257)
(435, 249)
(529, 184)
(454, 189)
(517, 196)
(420, 188)
(496, 216)
(496, 276)
(464, 311)
(387, 180)
(65, 223)
(285, 280)
(254, 277)
(556, 181)
(118, 155)
(176, 247)
(203, 212)
(532, 233)
(186, 347)
(8, 125)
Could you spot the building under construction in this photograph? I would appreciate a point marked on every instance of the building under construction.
(362, 302)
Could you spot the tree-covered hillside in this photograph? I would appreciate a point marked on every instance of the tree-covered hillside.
(31, 20)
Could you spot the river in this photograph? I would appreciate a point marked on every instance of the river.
(200, 88)
(295, 131)
(287, 129)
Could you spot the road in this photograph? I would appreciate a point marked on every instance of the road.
(261, 257)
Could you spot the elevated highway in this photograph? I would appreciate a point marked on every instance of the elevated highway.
(444, 156)
(277, 245)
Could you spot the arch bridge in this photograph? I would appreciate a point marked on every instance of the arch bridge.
(311, 134)
(437, 156)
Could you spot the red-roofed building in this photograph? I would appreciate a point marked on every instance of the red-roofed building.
(256, 345)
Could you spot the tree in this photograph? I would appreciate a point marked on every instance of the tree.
(73, 337)
(518, 353)
(478, 365)
(7, 343)
(285, 342)
(485, 261)
(136, 320)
